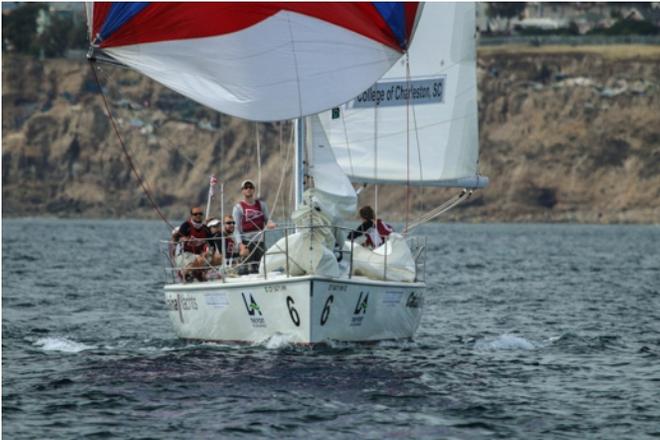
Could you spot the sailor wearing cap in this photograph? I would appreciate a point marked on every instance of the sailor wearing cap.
(252, 217)
(224, 230)
(215, 242)
(193, 234)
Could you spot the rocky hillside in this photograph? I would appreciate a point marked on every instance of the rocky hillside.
(567, 134)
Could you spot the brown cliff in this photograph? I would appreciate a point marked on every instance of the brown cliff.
(567, 134)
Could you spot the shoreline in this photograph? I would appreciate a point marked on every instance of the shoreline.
(568, 135)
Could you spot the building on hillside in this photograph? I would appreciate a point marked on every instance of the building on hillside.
(555, 15)
(72, 12)
(652, 13)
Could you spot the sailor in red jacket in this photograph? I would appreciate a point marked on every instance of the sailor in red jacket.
(252, 217)
(194, 235)
(376, 231)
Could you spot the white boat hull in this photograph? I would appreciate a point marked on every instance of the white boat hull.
(307, 309)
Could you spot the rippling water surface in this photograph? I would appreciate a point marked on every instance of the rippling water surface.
(529, 331)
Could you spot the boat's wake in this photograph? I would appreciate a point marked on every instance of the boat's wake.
(506, 341)
(62, 344)
(279, 341)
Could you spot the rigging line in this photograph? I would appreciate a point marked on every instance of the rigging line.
(449, 204)
(126, 153)
(295, 65)
(408, 84)
(348, 146)
(256, 129)
(443, 207)
(169, 145)
(419, 158)
(221, 143)
(292, 181)
(446, 68)
(434, 124)
(285, 149)
(146, 186)
(419, 150)
(437, 212)
(281, 151)
(441, 71)
(284, 168)
(466, 90)
(107, 80)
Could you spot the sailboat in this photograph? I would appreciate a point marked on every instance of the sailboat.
(317, 63)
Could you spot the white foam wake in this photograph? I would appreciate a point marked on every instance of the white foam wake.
(62, 344)
(279, 340)
(506, 341)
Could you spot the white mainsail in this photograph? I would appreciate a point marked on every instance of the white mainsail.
(419, 127)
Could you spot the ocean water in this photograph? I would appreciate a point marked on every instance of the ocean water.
(529, 331)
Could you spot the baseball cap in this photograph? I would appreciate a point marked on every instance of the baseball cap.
(247, 181)
(214, 222)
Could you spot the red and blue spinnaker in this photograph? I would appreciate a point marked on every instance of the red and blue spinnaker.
(259, 61)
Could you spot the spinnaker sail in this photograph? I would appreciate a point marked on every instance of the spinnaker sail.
(259, 61)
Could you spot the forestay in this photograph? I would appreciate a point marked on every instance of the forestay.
(259, 61)
(420, 127)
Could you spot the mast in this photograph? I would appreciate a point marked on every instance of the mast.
(298, 169)
(376, 160)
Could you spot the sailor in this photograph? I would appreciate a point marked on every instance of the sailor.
(195, 255)
(374, 230)
(225, 230)
(215, 242)
(252, 217)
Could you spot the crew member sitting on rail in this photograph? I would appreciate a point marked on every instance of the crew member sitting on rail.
(251, 215)
(375, 232)
(194, 235)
